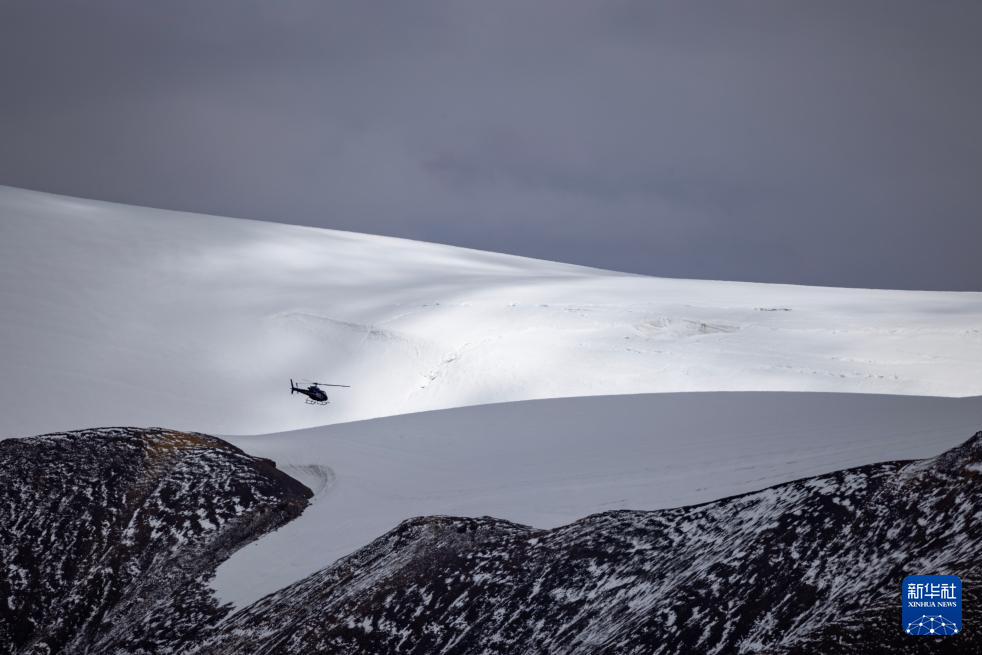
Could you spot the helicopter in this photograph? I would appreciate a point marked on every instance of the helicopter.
(315, 395)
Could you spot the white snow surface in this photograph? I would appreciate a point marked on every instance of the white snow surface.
(121, 315)
(549, 462)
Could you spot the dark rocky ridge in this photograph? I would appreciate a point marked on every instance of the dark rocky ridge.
(107, 536)
(812, 566)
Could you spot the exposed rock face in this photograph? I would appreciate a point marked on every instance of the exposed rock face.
(107, 535)
(813, 566)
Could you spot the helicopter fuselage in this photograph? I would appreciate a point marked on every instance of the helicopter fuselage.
(314, 393)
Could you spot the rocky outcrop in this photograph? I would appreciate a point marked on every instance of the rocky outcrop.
(107, 536)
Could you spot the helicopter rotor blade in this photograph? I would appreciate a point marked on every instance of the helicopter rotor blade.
(325, 384)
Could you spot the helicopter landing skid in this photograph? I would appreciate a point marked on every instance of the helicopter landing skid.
(317, 402)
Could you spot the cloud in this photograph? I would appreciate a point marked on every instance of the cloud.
(830, 143)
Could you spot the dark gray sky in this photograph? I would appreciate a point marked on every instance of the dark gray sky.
(833, 142)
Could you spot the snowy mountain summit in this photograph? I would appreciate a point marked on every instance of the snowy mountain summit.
(125, 315)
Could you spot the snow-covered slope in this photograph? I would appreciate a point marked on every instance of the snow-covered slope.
(549, 462)
(115, 315)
